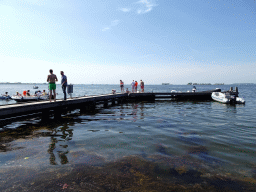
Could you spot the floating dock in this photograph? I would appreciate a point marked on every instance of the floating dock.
(87, 103)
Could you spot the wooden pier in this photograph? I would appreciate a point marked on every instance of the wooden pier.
(86, 103)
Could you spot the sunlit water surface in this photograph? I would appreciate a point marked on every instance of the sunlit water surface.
(208, 136)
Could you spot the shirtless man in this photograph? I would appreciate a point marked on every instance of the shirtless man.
(142, 86)
(52, 86)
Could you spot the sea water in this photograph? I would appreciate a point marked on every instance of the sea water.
(207, 136)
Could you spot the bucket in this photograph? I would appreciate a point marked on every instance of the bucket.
(70, 89)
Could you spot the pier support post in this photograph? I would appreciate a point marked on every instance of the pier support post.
(57, 113)
(106, 103)
(45, 114)
(83, 108)
(87, 107)
(93, 106)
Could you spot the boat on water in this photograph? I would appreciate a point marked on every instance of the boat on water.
(5, 97)
(35, 87)
(227, 98)
(24, 98)
(29, 98)
(44, 97)
(165, 83)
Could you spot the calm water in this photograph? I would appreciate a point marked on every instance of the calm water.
(215, 138)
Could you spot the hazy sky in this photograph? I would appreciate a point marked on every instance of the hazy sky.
(96, 41)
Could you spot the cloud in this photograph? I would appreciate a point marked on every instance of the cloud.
(145, 6)
(125, 9)
(113, 23)
(105, 29)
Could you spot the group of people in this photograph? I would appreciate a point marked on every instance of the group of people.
(134, 85)
(27, 93)
(51, 79)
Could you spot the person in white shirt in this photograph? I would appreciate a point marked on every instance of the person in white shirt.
(133, 84)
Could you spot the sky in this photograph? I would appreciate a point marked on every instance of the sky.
(102, 42)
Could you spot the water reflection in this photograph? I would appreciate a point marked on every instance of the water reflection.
(142, 110)
(64, 134)
(59, 132)
(134, 111)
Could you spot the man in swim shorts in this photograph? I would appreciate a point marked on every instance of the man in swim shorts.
(122, 86)
(52, 86)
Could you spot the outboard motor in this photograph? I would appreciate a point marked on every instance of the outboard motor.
(232, 99)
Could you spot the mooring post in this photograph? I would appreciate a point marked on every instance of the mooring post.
(236, 90)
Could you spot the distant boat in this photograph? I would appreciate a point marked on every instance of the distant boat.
(35, 87)
(165, 83)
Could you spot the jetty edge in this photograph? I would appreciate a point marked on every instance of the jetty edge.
(86, 103)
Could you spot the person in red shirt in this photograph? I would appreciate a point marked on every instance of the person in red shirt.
(135, 86)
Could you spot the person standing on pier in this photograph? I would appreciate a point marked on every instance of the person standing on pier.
(122, 86)
(64, 84)
(52, 78)
(133, 84)
(142, 86)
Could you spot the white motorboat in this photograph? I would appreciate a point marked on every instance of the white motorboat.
(35, 87)
(30, 98)
(227, 98)
(25, 98)
(44, 97)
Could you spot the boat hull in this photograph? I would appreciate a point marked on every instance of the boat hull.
(44, 97)
(30, 98)
(220, 99)
(25, 98)
(5, 97)
(227, 99)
